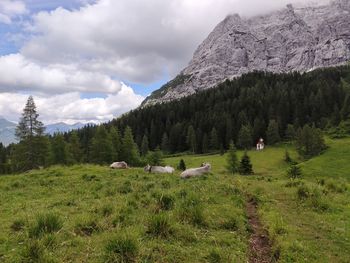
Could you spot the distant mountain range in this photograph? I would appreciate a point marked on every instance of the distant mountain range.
(7, 129)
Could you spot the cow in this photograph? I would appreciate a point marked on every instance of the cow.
(194, 172)
(159, 169)
(119, 165)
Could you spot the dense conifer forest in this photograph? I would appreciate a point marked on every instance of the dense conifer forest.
(257, 105)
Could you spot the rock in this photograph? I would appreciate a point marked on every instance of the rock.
(293, 39)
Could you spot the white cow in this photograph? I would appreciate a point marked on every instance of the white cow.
(159, 169)
(119, 165)
(193, 172)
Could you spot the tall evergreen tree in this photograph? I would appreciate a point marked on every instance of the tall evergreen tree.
(165, 143)
(32, 150)
(191, 139)
(245, 139)
(116, 142)
(232, 160)
(102, 147)
(144, 145)
(214, 140)
(130, 152)
(59, 151)
(272, 133)
(74, 148)
(290, 132)
(205, 143)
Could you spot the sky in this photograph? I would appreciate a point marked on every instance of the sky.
(93, 60)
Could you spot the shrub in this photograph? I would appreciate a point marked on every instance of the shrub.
(18, 225)
(294, 172)
(181, 166)
(45, 223)
(159, 226)
(121, 250)
(155, 158)
(245, 167)
(287, 157)
(317, 201)
(303, 192)
(310, 141)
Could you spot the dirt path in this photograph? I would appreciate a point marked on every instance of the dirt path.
(259, 243)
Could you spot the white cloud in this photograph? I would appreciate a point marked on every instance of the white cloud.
(70, 107)
(20, 74)
(10, 9)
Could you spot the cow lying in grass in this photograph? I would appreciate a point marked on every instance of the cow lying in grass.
(119, 165)
(194, 172)
(159, 169)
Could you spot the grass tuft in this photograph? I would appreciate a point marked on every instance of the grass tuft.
(121, 250)
(45, 223)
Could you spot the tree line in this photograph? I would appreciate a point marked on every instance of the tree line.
(257, 105)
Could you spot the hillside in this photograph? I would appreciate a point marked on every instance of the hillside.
(293, 39)
(201, 219)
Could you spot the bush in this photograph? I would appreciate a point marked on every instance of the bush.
(294, 172)
(159, 226)
(121, 250)
(18, 225)
(303, 192)
(45, 223)
(310, 141)
(155, 158)
(181, 166)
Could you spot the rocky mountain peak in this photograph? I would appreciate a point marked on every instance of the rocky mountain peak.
(295, 38)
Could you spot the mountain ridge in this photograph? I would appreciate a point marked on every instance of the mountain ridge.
(293, 39)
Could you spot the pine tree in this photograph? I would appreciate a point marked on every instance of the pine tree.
(32, 150)
(272, 133)
(245, 166)
(310, 141)
(165, 143)
(290, 133)
(130, 152)
(245, 139)
(59, 151)
(182, 165)
(232, 160)
(205, 143)
(191, 139)
(75, 152)
(116, 142)
(214, 141)
(102, 147)
(144, 146)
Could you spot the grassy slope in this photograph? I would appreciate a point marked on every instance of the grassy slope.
(301, 231)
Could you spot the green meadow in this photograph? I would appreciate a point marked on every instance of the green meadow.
(89, 213)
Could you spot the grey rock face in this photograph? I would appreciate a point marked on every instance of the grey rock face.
(293, 39)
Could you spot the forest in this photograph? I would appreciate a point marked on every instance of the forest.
(257, 105)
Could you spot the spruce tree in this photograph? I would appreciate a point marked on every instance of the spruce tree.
(75, 152)
(130, 152)
(182, 165)
(116, 142)
(191, 139)
(290, 132)
(214, 141)
(245, 139)
(144, 145)
(59, 151)
(32, 150)
(272, 133)
(245, 166)
(232, 160)
(102, 147)
(165, 143)
(205, 143)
